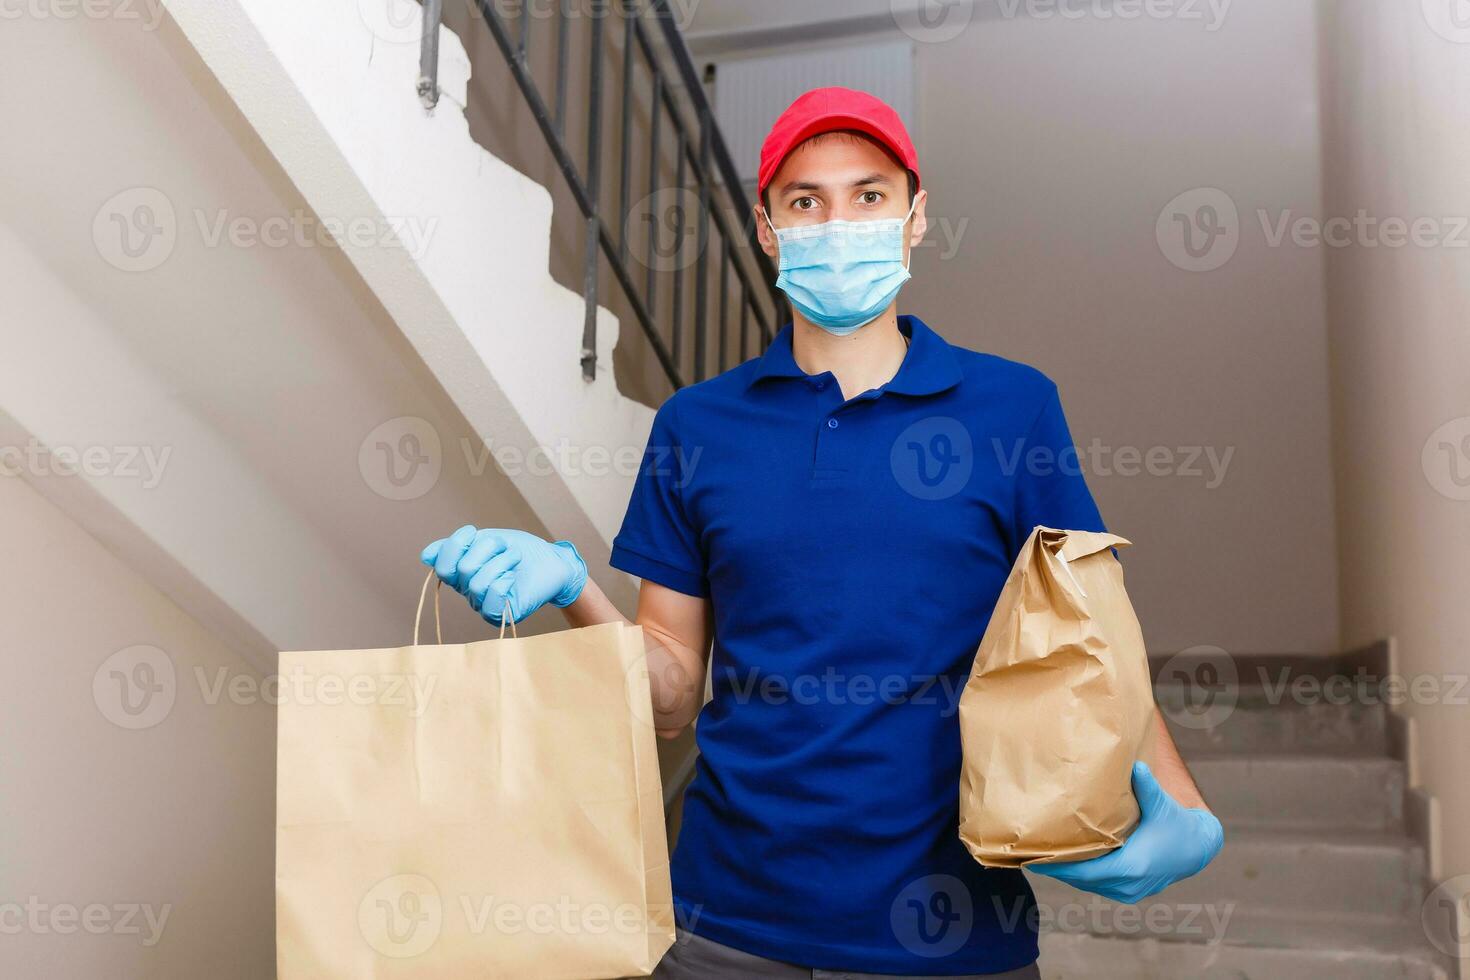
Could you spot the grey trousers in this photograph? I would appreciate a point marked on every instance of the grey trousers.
(696, 958)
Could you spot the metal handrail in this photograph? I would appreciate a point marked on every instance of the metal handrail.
(702, 157)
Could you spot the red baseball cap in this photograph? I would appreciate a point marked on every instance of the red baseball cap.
(824, 110)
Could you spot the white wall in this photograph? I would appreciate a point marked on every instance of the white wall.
(264, 372)
(177, 816)
(1397, 146)
(1049, 147)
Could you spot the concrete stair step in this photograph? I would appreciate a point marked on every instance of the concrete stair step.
(1317, 879)
(1083, 957)
(1302, 792)
(1372, 874)
(1264, 721)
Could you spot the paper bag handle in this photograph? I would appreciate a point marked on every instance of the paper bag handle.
(505, 616)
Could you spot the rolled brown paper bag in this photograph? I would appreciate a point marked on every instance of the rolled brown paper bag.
(1058, 706)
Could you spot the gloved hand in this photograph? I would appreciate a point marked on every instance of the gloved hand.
(490, 566)
(1169, 844)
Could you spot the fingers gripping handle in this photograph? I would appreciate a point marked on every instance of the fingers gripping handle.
(505, 615)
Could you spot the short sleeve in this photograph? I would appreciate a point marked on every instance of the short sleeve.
(657, 541)
(1050, 487)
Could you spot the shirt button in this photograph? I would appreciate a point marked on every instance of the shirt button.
(831, 423)
(819, 385)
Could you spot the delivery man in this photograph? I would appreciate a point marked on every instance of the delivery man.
(837, 517)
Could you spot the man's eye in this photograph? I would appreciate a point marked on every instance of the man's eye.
(871, 197)
(804, 203)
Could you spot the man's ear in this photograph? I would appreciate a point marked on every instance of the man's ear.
(763, 232)
(921, 219)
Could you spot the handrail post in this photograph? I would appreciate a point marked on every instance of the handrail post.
(701, 355)
(428, 84)
(594, 185)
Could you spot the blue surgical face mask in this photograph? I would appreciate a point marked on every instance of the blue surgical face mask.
(842, 275)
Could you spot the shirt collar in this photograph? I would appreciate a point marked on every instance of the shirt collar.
(929, 366)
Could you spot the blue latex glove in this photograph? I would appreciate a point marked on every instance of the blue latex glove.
(1169, 844)
(492, 566)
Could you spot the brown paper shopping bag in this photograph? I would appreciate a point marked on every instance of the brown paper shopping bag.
(1058, 707)
(475, 810)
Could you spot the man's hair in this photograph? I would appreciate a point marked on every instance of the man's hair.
(851, 134)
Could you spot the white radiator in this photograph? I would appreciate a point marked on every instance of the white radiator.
(751, 92)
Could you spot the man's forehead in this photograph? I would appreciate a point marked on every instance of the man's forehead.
(813, 162)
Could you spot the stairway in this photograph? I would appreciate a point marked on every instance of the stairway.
(1318, 877)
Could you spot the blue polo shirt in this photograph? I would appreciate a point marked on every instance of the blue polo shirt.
(852, 551)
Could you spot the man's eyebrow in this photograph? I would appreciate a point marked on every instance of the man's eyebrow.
(799, 185)
(806, 185)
